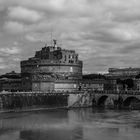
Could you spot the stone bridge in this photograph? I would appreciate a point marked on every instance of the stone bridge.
(112, 99)
(88, 98)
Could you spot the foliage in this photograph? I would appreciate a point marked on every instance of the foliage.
(128, 82)
(94, 76)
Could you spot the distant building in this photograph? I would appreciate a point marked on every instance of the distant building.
(10, 82)
(94, 82)
(126, 76)
(52, 68)
(123, 72)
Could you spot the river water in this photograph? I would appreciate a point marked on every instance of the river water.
(77, 124)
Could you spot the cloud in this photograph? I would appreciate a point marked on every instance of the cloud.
(14, 27)
(10, 58)
(130, 49)
(9, 51)
(125, 34)
(36, 37)
(3, 66)
(24, 14)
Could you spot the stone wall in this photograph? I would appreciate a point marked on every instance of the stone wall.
(65, 86)
(79, 100)
(42, 86)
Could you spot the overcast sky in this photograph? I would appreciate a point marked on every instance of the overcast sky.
(105, 33)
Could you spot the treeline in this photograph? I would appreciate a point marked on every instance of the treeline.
(128, 82)
(94, 76)
(13, 76)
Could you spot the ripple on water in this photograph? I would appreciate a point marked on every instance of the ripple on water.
(81, 124)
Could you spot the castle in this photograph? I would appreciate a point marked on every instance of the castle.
(52, 68)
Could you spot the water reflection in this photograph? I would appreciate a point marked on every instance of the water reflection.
(77, 124)
(75, 133)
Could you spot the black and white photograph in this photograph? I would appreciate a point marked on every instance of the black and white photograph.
(69, 69)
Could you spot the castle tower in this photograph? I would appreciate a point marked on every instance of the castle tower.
(52, 68)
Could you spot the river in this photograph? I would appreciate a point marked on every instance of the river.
(76, 124)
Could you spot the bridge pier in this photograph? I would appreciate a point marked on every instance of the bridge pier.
(79, 100)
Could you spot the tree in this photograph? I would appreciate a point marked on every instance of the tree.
(129, 83)
(138, 76)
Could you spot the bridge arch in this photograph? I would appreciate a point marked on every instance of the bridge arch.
(131, 101)
(101, 100)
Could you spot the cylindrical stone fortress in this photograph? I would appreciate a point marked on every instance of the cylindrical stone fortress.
(52, 68)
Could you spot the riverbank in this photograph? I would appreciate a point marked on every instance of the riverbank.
(64, 108)
(32, 109)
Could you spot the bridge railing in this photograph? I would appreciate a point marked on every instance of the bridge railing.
(129, 92)
(40, 92)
